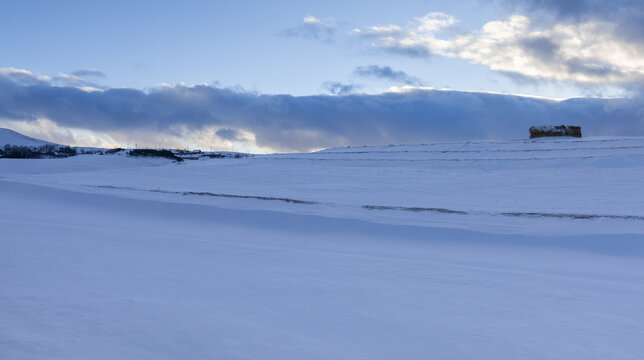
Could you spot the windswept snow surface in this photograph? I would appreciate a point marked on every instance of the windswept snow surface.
(513, 249)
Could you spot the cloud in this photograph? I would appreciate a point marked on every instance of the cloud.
(541, 47)
(23, 76)
(417, 39)
(387, 73)
(88, 73)
(69, 79)
(79, 79)
(26, 77)
(576, 9)
(312, 28)
(229, 134)
(585, 52)
(626, 15)
(338, 88)
(197, 114)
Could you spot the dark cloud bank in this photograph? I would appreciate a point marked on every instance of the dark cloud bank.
(301, 123)
(627, 15)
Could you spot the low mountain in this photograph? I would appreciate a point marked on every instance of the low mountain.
(10, 137)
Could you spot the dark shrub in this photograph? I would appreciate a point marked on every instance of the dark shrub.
(155, 153)
(66, 151)
(113, 151)
(559, 130)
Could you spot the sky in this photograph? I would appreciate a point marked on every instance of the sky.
(299, 76)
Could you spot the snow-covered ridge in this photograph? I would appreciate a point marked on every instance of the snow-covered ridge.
(10, 137)
(548, 152)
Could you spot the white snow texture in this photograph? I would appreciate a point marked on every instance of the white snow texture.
(527, 249)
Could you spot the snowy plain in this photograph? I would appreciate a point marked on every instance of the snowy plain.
(493, 249)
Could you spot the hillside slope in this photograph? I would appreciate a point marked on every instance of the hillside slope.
(10, 137)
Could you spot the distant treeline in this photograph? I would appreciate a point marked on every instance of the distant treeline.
(53, 151)
(46, 151)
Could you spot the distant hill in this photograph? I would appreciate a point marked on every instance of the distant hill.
(10, 137)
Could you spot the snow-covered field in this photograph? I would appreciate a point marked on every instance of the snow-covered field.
(499, 249)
